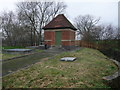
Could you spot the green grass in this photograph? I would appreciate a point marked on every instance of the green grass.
(7, 55)
(85, 72)
(12, 47)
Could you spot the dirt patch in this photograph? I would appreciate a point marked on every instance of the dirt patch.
(42, 60)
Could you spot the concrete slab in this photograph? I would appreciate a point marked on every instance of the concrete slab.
(68, 59)
(17, 50)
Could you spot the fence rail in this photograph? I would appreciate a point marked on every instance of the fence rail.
(88, 44)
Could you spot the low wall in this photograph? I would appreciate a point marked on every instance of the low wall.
(114, 79)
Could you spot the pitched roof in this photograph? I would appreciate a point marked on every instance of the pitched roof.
(59, 22)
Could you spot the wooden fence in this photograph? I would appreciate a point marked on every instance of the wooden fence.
(88, 44)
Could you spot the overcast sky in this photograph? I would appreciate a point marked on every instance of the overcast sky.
(106, 9)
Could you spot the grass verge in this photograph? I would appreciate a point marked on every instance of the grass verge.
(8, 55)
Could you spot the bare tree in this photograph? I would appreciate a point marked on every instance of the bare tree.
(86, 26)
(97, 32)
(13, 32)
(118, 33)
(38, 14)
(27, 14)
(7, 25)
(26, 25)
(108, 32)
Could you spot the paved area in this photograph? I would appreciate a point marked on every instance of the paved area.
(10, 66)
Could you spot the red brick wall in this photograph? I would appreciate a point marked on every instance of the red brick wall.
(72, 43)
(67, 35)
(48, 43)
(68, 43)
(65, 43)
(49, 35)
(72, 35)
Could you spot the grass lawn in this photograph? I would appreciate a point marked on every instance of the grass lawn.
(85, 72)
(11, 47)
(7, 55)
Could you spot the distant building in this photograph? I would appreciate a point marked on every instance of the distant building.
(59, 32)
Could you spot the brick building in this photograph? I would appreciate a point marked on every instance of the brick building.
(59, 32)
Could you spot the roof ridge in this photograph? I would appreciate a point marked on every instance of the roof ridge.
(60, 21)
